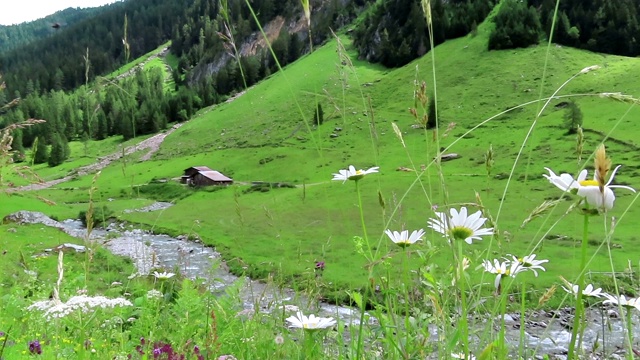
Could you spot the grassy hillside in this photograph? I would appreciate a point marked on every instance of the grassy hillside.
(267, 134)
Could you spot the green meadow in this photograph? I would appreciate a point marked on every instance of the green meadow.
(484, 99)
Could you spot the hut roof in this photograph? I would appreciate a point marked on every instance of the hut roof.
(199, 168)
(215, 176)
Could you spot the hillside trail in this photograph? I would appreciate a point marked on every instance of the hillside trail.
(152, 144)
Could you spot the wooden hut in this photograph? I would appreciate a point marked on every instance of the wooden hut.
(203, 176)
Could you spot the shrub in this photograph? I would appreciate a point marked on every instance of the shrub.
(100, 215)
(164, 191)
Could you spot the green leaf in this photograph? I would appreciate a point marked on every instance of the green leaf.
(356, 297)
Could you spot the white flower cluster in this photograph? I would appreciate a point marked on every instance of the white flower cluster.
(513, 266)
(591, 291)
(84, 303)
(154, 294)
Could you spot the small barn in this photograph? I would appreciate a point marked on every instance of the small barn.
(203, 176)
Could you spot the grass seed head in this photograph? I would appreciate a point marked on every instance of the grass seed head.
(589, 69)
(396, 130)
(489, 160)
(540, 210)
(547, 295)
(426, 7)
(602, 165)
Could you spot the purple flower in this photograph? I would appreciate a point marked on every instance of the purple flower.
(34, 347)
(320, 265)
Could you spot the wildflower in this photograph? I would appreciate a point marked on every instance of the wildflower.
(529, 262)
(320, 265)
(403, 239)
(588, 189)
(196, 350)
(310, 323)
(154, 294)
(227, 357)
(587, 291)
(459, 226)
(506, 268)
(279, 339)
(352, 174)
(84, 303)
(163, 275)
(622, 301)
(34, 347)
(596, 192)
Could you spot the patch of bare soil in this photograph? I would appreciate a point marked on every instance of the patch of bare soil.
(151, 144)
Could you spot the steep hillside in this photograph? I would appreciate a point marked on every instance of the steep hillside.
(15, 36)
(267, 134)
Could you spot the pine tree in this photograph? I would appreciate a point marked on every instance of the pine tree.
(57, 155)
(572, 118)
(41, 151)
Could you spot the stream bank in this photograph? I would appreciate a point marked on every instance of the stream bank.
(547, 332)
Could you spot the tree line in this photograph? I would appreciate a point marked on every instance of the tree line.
(139, 105)
(394, 32)
(135, 106)
(15, 36)
(56, 62)
(607, 26)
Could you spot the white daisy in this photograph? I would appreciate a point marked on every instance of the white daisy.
(403, 238)
(502, 269)
(352, 174)
(529, 262)
(587, 291)
(459, 226)
(588, 189)
(622, 301)
(163, 275)
(310, 323)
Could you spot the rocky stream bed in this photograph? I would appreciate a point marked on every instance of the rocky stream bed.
(547, 332)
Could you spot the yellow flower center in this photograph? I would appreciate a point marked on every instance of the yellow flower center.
(460, 232)
(359, 174)
(588, 183)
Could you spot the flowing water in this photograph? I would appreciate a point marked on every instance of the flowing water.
(547, 332)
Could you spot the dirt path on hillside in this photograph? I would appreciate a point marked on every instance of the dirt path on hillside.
(152, 144)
